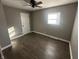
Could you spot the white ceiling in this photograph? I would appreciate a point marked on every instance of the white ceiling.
(46, 3)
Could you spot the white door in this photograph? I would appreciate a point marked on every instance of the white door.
(25, 23)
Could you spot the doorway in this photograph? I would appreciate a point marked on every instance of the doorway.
(25, 22)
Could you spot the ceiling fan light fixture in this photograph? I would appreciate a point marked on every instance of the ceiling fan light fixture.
(34, 3)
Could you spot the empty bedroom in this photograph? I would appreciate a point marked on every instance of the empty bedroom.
(38, 29)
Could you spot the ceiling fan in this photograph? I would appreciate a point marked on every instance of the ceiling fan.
(34, 3)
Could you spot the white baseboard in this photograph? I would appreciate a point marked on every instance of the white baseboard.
(2, 56)
(10, 44)
(52, 36)
(57, 39)
(6, 47)
(18, 36)
(71, 56)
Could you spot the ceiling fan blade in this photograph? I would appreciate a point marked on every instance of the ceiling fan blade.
(27, 5)
(39, 6)
(33, 3)
(39, 3)
(28, 1)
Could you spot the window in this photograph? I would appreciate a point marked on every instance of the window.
(54, 18)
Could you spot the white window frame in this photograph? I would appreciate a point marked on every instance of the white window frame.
(54, 18)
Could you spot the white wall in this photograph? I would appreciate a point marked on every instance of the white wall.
(39, 21)
(74, 39)
(4, 37)
(13, 19)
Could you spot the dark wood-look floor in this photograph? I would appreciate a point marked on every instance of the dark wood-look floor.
(36, 46)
